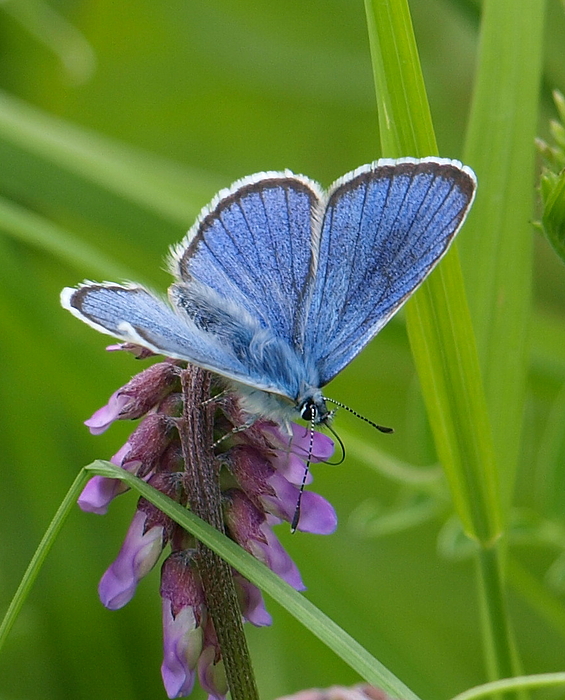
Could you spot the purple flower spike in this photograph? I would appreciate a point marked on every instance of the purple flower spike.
(103, 418)
(182, 645)
(267, 462)
(136, 558)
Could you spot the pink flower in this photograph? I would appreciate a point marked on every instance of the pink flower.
(268, 466)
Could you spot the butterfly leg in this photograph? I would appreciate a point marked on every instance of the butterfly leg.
(234, 431)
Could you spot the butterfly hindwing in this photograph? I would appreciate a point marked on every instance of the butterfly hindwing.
(385, 227)
(133, 314)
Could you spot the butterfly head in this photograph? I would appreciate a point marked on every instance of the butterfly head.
(314, 410)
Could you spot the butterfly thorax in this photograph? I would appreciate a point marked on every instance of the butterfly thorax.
(310, 405)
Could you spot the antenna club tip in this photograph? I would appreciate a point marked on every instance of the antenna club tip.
(384, 429)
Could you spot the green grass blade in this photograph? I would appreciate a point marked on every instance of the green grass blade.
(497, 246)
(47, 541)
(399, 82)
(443, 341)
(169, 191)
(29, 227)
(439, 325)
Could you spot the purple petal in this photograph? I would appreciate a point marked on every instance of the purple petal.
(98, 493)
(100, 490)
(105, 416)
(121, 454)
(252, 603)
(322, 445)
(291, 467)
(137, 350)
(182, 644)
(273, 554)
(211, 675)
(316, 514)
(136, 558)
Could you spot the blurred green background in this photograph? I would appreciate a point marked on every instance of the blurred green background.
(118, 121)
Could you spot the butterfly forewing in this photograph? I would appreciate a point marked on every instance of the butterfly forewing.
(384, 229)
(254, 245)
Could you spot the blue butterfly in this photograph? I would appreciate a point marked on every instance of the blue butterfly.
(280, 284)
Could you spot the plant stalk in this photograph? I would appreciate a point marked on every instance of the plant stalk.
(196, 429)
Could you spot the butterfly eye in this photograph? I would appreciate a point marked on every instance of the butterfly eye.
(308, 410)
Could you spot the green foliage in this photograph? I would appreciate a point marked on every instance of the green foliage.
(552, 186)
(118, 121)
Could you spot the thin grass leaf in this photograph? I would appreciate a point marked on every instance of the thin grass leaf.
(154, 184)
(24, 225)
(43, 549)
(439, 324)
(497, 245)
(542, 680)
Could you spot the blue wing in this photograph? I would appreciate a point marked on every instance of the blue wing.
(279, 287)
(254, 245)
(217, 336)
(385, 227)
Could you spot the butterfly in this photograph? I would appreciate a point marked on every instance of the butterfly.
(280, 284)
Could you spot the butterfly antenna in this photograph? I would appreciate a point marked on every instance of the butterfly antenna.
(382, 428)
(296, 516)
(340, 443)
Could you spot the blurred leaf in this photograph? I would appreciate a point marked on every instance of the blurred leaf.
(27, 226)
(551, 458)
(52, 29)
(492, 689)
(552, 186)
(166, 189)
(369, 519)
(453, 543)
(496, 247)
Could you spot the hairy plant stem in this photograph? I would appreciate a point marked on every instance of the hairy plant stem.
(203, 487)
